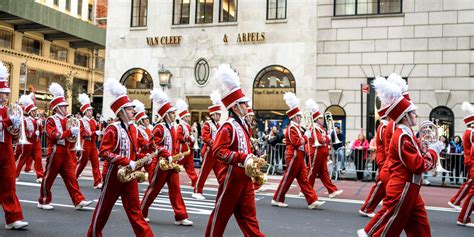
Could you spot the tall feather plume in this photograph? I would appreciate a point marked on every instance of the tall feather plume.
(312, 105)
(215, 97)
(159, 96)
(467, 107)
(25, 100)
(3, 71)
(398, 80)
(181, 105)
(291, 100)
(388, 92)
(227, 77)
(83, 98)
(114, 87)
(56, 89)
(139, 106)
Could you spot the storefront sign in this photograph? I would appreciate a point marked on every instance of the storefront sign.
(142, 95)
(164, 40)
(270, 98)
(251, 37)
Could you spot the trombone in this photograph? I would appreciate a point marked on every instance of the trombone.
(330, 124)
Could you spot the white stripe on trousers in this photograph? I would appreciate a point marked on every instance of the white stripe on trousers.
(102, 195)
(373, 195)
(218, 204)
(47, 174)
(397, 209)
(199, 177)
(286, 176)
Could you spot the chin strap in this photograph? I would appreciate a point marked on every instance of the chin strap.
(127, 122)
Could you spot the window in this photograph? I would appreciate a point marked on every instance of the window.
(79, 7)
(32, 46)
(58, 53)
(366, 7)
(276, 9)
(99, 63)
(204, 11)
(181, 12)
(228, 11)
(6, 39)
(68, 5)
(56, 2)
(139, 13)
(89, 12)
(81, 59)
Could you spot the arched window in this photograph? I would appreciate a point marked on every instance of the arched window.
(444, 117)
(339, 117)
(139, 83)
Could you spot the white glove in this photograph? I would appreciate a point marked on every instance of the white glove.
(98, 133)
(436, 147)
(170, 159)
(192, 138)
(15, 121)
(75, 131)
(248, 160)
(37, 133)
(132, 165)
(307, 133)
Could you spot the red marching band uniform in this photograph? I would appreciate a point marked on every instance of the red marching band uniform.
(185, 140)
(208, 135)
(119, 148)
(89, 132)
(235, 195)
(404, 209)
(145, 142)
(294, 156)
(24, 153)
(164, 141)
(8, 199)
(59, 155)
(318, 151)
(464, 218)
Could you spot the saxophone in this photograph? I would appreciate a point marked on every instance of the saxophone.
(253, 168)
(166, 165)
(126, 174)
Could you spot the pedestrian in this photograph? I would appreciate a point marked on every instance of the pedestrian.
(359, 151)
(338, 146)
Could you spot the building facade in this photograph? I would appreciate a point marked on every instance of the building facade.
(329, 50)
(38, 51)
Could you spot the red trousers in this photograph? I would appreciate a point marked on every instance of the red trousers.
(384, 177)
(377, 193)
(465, 187)
(209, 163)
(235, 196)
(404, 211)
(467, 208)
(89, 153)
(296, 169)
(128, 192)
(188, 163)
(8, 199)
(159, 178)
(26, 154)
(319, 168)
(60, 161)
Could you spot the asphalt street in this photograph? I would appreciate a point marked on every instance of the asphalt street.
(337, 217)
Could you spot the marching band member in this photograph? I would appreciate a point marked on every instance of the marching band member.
(468, 138)
(119, 148)
(231, 146)
(403, 205)
(8, 199)
(318, 152)
(89, 132)
(377, 192)
(33, 129)
(295, 152)
(463, 191)
(164, 138)
(145, 143)
(209, 130)
(59, 158)
(185, 140)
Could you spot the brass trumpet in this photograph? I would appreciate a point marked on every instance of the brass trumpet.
(16, 110)
(166, 165)
(254, 169)
(330, 123)
(126, 174)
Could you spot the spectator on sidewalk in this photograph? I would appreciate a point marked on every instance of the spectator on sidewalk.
(360, 147)
(446, 162)
(340, 153)
(456, 151)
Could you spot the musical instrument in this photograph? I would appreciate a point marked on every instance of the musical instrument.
(428, 135)
(74, 122)
(126, 174)
(166, 165)
(254, 166)
(16, 110)
(330, 123)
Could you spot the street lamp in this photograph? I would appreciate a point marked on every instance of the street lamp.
(165, 77)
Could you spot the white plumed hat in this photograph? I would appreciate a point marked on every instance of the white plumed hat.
(230, 85)
(216, 102)
(469, 108)
(85, 101)
(293, 103)
(4, 88)
(140, 110)
(58, 96)
(182, 108)
(159, 97)
(313, 107)
(119, 93)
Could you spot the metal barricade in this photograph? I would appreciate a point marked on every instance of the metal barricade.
(276, 158)
(350, 163)
(454, 164)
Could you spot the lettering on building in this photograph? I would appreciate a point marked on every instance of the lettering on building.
(251, 37)
(164, 40)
